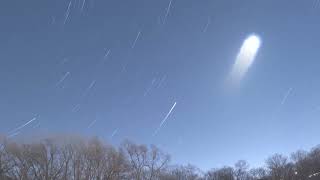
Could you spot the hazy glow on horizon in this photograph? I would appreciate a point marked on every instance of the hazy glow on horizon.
(245, 57)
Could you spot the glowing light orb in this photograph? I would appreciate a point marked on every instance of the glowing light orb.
(245, 57)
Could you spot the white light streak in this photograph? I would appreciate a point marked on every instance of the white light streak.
(245, 58)
(164, 119)
(67, 13)
(167, 12)
(135, 41)
(63, 78)
(114, 133)
(22, 126)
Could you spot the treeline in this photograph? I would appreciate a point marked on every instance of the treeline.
(81, 159)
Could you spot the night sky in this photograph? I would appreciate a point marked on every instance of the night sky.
(155, 72)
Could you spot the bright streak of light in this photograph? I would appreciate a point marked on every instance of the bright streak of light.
(114, 133)
(83, 4)
(63, 78)
(167, 12)
(164, 119)
(89, 87)
(315, 174)
(135, 41)
(67, 13)
(22, 126)
(13, 134)
(245, 58)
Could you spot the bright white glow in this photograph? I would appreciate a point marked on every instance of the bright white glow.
(165, 119)
(245, 57)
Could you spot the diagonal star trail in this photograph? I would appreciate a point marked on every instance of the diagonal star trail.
(286, 96)
(135, 41)
(167, 12)
(114, 133)
(164, 119)
(67, 13)
(63, 78)
(22, 126)
(92, 123)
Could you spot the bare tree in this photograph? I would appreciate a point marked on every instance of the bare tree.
(302, 163)
(53, 159)
(45, 160)
(280, 167)
(188, 172)
(314, 162)
(95, 159)
(5, 165)
(157, 162)
(74, 155)
(145, 164)
(225, 173)
(241, 170)
(18, 159)
(258, 174)
(137, 157)
(116, 166)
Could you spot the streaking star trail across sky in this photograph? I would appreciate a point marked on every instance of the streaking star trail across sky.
(114, 133)
(92, 123)
(83, 4)
(67, 13)
(167, 11)
(286, 96)
(89, 88)
(245, 58)
(13, 134)
(164, 119)
(14, 131)
(135, 41)
(63, 78)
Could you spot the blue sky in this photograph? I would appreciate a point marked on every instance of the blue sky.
(52, 67)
